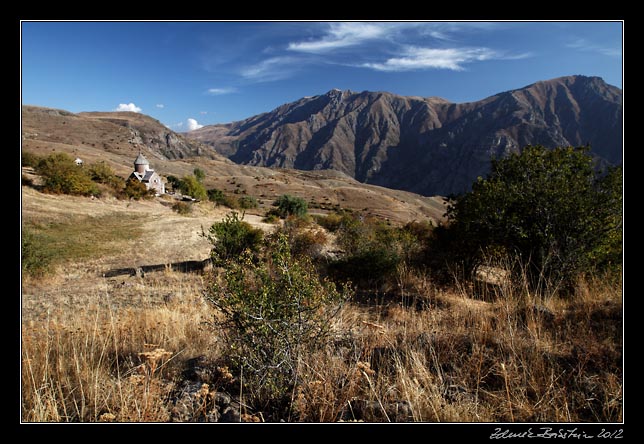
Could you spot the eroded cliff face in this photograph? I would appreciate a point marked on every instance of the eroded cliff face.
(425, 145)
(114, 132)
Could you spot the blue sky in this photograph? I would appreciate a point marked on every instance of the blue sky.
(188, 74)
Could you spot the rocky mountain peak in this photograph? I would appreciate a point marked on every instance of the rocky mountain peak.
(425, 145)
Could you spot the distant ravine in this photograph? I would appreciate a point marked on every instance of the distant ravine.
(425, 145)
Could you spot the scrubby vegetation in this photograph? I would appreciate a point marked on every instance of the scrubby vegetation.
(232, 237)
(287, 205)
(62, 176)
(183, 208)
(191, 186)
(511, 311)
(552, 211)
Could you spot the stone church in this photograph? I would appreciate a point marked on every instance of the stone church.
(143, 173)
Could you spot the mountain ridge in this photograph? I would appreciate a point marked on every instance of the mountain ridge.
(426, 145)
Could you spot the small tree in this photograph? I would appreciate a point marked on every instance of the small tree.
(174, 182)
(101, 173)
(191, 186)
(231, 237)
(135, 189)
(288, 205)
(247, 202)
(61, 175)
(199, 174)
(551, 209)
(274, 313)
(217, 196)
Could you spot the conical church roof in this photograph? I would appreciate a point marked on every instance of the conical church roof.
(140, 160)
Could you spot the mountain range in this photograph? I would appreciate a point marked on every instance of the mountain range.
(428, 146)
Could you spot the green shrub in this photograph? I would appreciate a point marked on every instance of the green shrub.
(61, 175)
(191, 186)
(29, 159)
(199, 174)
(288, 205)
(36, 256)
(271, 218)
(247, 202)
(304, 239)
(274, 312)
(216, 196)
(101, 173)
(135, 189)
(183, 208)
(554, 210)
(332, 221)
(231, 237)
(173, 182)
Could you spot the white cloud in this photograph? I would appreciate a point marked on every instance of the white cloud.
(417, 58)
(220, 91)
(192, 124)
(275, 68)
(128, 107)
(343, 34)
(160, 105)
(585, 45)
(203, 113)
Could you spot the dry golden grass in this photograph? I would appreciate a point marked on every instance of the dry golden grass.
(110, 359)
(441, 358)
(113, 349)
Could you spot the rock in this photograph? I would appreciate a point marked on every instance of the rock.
(230, 414)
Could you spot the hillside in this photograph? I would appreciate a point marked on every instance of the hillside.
(425, 145)
(115, 138)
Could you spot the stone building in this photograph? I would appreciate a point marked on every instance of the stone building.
(143, 173)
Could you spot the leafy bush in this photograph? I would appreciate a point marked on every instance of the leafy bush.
(554, 210)
(191, 186)
(273, 313)
(174, 182)
(231, 237)
(304, 238)
(247, 202)
(199, 174)
(332, 221)
(219, 198)
(183, 208)
(36, 256)
(271, 218)
(372, 249)
(101, 173)
(135, 189)
(288, 205)
(29, 159)
(61, 175)
(216, 196)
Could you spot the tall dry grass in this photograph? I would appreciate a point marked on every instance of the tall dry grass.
(467, 354)
(106, 362)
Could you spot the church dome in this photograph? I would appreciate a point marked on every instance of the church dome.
(140, 160)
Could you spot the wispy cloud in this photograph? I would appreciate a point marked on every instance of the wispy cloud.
(274, 68)
(342, 35)
(221, 91)
(203, 113)
(418, 58)
(192, 125)
(585, 45)
(380, 46)
(128, 107)
(160, 105)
